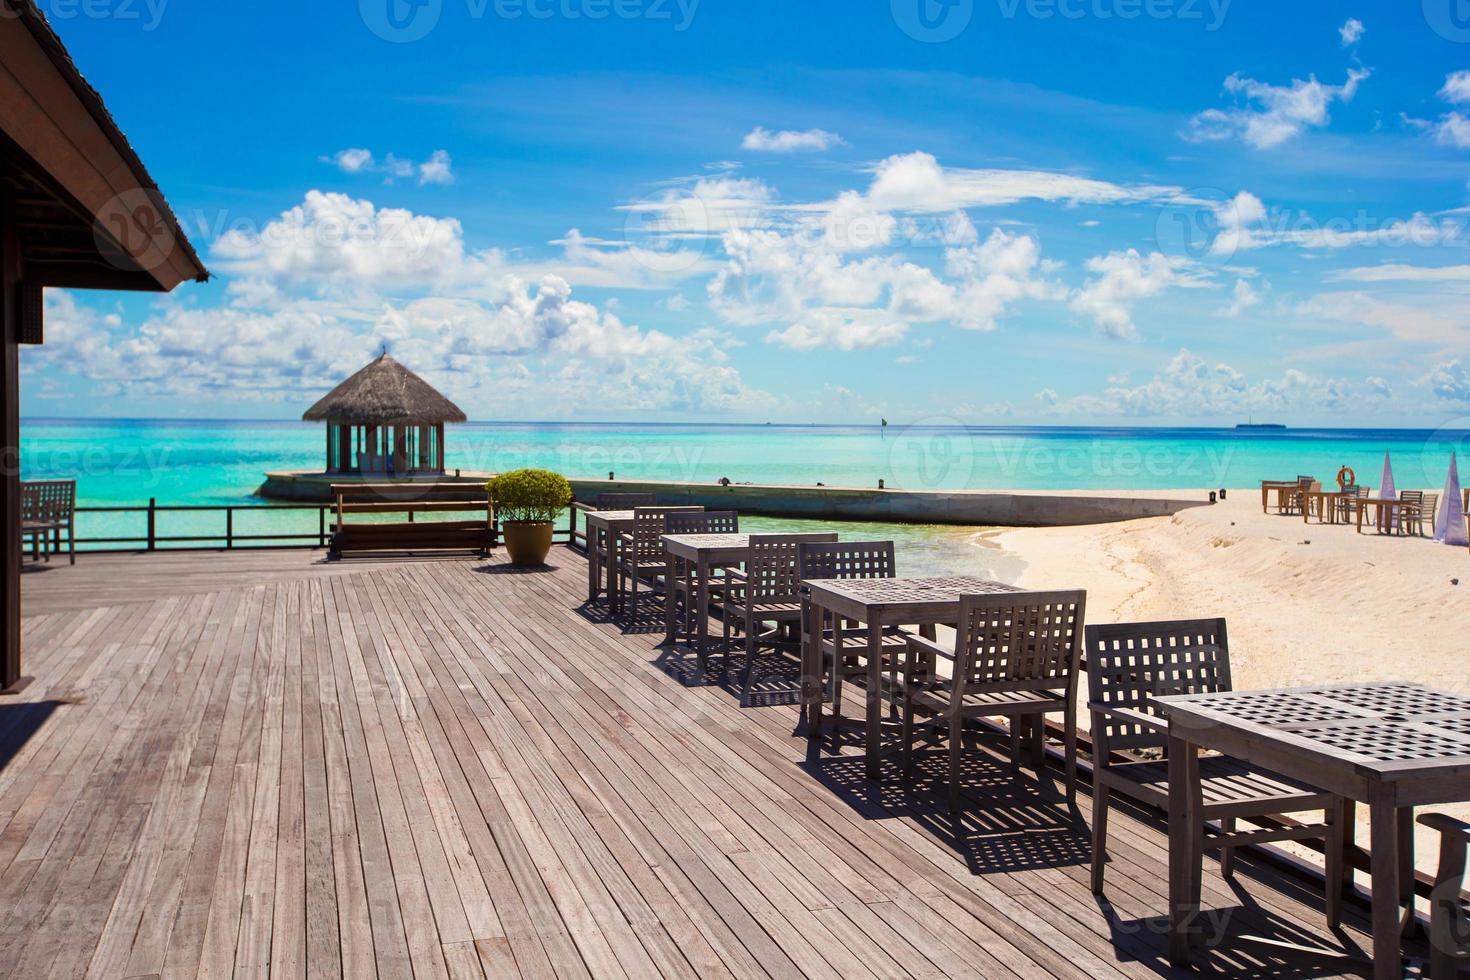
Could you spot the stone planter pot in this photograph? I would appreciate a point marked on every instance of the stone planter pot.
(527, 542)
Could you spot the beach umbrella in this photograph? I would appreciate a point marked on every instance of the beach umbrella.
(1386, 490)
(1449, 523)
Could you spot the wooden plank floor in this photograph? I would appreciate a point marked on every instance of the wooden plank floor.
(453, 769)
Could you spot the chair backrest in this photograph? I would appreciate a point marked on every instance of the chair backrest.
(771, 570)
(1129, 663)
(1018, 641)
(623, 501)
(648, 531)
(846, 559)
(1431, 505)
(1414, 497)
(1305, 481)
(48, 500)
(703, 522)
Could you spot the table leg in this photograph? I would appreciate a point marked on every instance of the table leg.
(833, 681)
(875, 698)
(1387, 949)
(701, 614)
(594, 575)
(610, 561)
(672, 567)
(1186, 831)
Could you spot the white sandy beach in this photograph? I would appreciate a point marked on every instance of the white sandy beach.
(1306, 603)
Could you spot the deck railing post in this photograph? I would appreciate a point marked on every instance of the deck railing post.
(229, 528)
(152, 523)
(321, 526)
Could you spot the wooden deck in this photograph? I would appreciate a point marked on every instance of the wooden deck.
(451, 769)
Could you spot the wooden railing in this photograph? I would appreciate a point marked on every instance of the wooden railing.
(232, 539)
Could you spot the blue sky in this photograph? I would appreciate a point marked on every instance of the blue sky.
(978, 211)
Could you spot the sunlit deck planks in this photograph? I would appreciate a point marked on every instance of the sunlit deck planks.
(450, 769)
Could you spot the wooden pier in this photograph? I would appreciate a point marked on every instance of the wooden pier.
(261, 764)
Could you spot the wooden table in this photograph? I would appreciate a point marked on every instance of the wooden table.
(699, 553)
(1326, 504)
(879, 603)
(1384, 511)
(1393, 745)
(1282, 487)
(603, 528)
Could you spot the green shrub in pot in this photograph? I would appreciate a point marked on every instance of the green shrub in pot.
(526, 503)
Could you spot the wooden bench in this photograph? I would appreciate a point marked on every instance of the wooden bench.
(475, 533)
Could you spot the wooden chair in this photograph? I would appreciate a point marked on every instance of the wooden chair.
(48, 507)
(1411, 515)
(1296, 500)
(700, 522)
(1430, 511)
(845, 560)
(768, 591)
(1128, 664)
(640, 553)
(1449, 917)
(1348, 504)
(1016, 656)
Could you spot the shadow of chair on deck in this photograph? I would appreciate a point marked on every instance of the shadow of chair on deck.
(1009, 822)
(20, 722)
(1247, 941)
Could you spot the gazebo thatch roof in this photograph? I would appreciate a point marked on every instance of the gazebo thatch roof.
(384, 393)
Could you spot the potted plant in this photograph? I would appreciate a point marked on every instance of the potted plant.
(526, 503)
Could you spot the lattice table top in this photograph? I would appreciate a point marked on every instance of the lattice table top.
(606, 516)
(906, 591)
(710, 541)
(1380, 727)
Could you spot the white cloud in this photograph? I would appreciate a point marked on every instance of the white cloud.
(790, 141)
(1456, 87)
(1351, 31)
(917, 182)
(358, 160)
(1397, 272)
(1453, 129)
(333, 244)
(437, 169)
(1272, 114)
(353, 160)
(838, 329)
(1189, 387)
(1242, 298)
(1450, 381)
(813, 294)
(1245, 223)
(1120, 280)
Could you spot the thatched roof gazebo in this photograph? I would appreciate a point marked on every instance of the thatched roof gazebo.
(385, 420)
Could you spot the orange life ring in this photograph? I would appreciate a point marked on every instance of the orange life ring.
(1346, 477)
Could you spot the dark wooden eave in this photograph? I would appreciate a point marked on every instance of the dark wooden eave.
(86, 212)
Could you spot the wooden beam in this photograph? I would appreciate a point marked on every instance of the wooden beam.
(11, 679)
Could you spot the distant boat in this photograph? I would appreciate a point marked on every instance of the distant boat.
(1259, 425)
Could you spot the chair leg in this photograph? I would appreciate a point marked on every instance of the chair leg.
(1227, 854)
(1336, 844)
(1099, 833)
(1069, 752)
(956, 746)
(908, 737)
(752, 631)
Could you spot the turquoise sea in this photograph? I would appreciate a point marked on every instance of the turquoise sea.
(125, 462)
